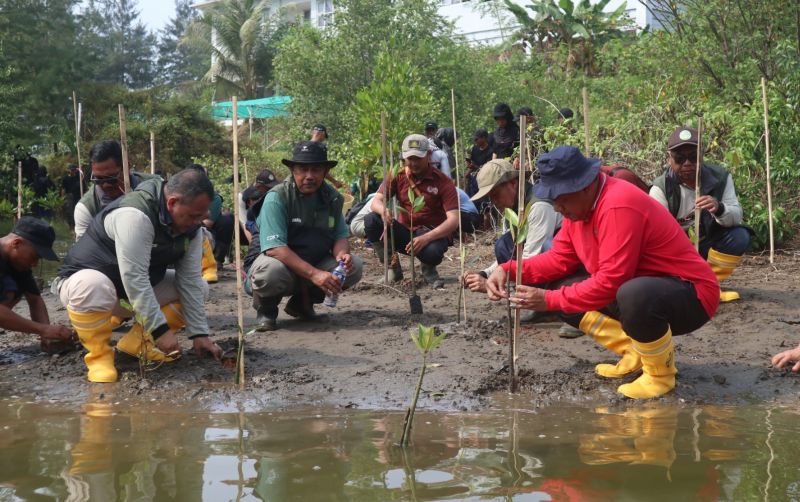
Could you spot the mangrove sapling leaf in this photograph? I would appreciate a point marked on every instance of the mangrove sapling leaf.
(425, 339)
(511, 217)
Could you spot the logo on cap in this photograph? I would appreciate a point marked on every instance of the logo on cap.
(685, 135)
(413, 144)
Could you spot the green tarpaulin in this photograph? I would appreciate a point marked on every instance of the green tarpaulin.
(264, 108)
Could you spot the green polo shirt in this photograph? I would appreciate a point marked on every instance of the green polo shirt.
(274, 218)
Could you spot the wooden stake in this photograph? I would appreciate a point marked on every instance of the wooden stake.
(461, 255)
(518, 247)
(587, 139)
(697, 187)
(76, 115)
(123, 135)
(385, 200)
(237, 243)
(152, 152)
(769, 176)
(246, 177)
(19, 190)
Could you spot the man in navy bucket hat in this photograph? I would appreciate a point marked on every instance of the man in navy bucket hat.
(621, 270)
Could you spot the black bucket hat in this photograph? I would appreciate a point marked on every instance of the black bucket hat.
(308, 153)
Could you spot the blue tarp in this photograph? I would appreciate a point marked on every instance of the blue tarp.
(264, 108)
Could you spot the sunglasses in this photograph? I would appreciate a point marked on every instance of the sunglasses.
(681, 158)
(105, 180)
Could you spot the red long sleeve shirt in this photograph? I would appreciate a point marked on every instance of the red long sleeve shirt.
(627, 235)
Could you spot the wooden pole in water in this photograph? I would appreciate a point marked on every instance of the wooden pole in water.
(697, 191)
(461, 256)
(523, 145)
(237, 243)
(19, 190)
(385, 200)
(769, 176)
(152, 152)
(123, 135)
(587, 139)
(76, 114)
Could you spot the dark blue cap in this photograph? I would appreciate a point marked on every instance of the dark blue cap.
(564, 170)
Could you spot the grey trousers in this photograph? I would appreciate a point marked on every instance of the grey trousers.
(271, 280)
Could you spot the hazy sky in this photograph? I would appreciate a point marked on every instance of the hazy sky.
(155, 14)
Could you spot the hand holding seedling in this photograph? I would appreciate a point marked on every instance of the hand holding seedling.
(168, 343)
(529, 297)
(203, 344)
(475, 282)
(495, 285)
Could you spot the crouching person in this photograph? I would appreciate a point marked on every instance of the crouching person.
(621, 270)
(303, 236)
(125, 254)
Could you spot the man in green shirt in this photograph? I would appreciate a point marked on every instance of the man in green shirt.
(303, 236)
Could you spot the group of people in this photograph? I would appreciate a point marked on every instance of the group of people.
(606, 253)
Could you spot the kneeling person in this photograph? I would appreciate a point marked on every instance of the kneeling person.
(125, 254)
(303, 236)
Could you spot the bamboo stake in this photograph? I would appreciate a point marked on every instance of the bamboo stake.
(152, 152)
(385, 199)
(512, 356)
(461, 291)
(123, 135)
(769, 176)
(237, 243)
(586, 137)
(246, 177)
(76, 114)
(19, 190)
(697, 187)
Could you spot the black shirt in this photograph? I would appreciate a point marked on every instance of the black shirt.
(72, 186)
(505, 140)
(480, 157)
(25, 281)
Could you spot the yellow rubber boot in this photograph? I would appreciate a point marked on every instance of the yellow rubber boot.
(116, 322)
(723, 266)
(174, 314)
(608, 332)
(658, 363)
(139, 344)
(209, 264)
(92, 453)
(94, 331)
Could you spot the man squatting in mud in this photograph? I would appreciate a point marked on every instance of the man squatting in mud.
(621, 270)
(124, 254)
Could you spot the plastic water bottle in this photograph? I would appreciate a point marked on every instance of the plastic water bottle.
(339, 273)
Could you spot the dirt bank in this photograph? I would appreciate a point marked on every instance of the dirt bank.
(361, 356)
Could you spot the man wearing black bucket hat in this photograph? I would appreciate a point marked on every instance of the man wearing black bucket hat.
(621, 270)
(303, 236)
(30, 240)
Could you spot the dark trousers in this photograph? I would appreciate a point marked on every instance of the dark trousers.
(470, 221)
(432, 254)
(647, 306)
(223, 235)
(732, 241)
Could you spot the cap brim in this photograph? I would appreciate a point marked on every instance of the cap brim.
(414, 153)
(45, 253)
(482, 192)
(290, 163)
(682, 143)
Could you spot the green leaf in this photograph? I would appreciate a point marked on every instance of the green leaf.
(522, 233)
(511, 217)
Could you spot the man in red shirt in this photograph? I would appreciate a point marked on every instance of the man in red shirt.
(433, 225)
(621, 269)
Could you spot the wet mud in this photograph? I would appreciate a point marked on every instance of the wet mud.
(360, 355)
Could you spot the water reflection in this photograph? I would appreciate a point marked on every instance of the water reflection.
(112, 452)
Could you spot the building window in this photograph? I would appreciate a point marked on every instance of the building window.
(324, 12)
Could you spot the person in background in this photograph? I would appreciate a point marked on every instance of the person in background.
(446, 140)
(217, 235)
(319, 134)
(71, 191)
(265, 181)
(30, 240)
(470, 217)
(505, 137)
(430, 129)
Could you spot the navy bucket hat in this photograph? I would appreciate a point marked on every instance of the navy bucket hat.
(564, 170)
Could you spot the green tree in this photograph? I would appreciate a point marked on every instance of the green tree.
(179, 62)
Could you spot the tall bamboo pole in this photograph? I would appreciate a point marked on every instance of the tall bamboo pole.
(461, 291)
(587, 139)
(769, 177)
(123, 135)
(76, 114)
(697, 187)
(19, 190)
(523, 146)
(385, 200)
(152, 152)
(237, 242)
(246, 176)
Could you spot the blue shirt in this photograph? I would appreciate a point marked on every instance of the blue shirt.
(467, 206)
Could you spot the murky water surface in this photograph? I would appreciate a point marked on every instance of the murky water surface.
(106, 452)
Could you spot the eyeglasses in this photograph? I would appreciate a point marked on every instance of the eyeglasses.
(105, 180)
(680, 158)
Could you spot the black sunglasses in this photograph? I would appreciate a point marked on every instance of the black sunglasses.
(681, 158)
(105, 180)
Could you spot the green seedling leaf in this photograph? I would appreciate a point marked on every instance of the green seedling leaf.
(522, 234)
(511, 216)
(419, 204)
(401, 209)
(437, 340)
(411, 196)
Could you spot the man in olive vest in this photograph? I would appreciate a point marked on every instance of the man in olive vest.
(723, 238)
(303, 236)
(125, 254)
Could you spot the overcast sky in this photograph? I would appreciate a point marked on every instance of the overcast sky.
(155, 14)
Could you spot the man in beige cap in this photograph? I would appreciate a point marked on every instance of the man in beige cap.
(500, 181)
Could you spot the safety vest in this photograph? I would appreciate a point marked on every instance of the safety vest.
(95, 205)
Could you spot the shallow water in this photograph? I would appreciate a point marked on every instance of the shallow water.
(107, 451)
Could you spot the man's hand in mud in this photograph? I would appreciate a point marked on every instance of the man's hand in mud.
(203, 345)
(475, 282)
(787, 357)
(495, 285)
(57, 332)
(528, 297)
(168, 343)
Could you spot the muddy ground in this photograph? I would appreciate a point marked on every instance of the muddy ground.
(361, 355)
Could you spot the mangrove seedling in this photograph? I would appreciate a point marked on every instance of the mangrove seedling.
(518, 224)
(426, 339)
(417, 203)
